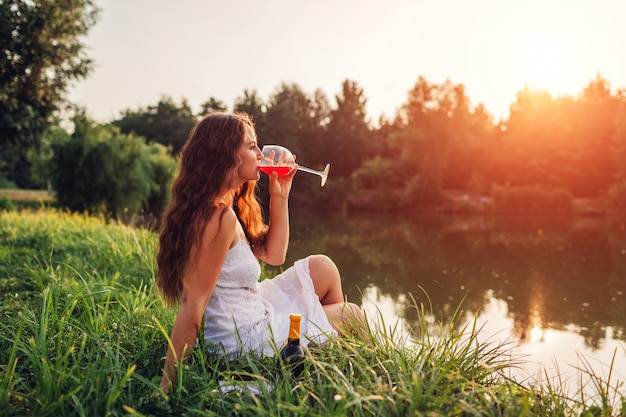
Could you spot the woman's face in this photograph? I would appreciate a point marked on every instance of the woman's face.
(250, 156)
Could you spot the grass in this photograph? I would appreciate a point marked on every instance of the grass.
(82, 333)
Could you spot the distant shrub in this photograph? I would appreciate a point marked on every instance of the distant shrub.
(379, 174)
(377, 186)
(531, 199)
(5, 183)
(6, 204)
(419, 191)
(163, 169)
(98, 169)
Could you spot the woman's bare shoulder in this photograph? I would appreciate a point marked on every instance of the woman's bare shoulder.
(222, 225)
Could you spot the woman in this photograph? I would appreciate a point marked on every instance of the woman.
(212, 235)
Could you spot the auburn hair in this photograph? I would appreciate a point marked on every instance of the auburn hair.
(209, 162)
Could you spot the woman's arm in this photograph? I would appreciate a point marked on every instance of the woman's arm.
(274, 250)
(198, 285)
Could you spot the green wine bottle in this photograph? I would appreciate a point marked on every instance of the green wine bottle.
(292, 354)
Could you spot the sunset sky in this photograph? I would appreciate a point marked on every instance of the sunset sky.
(195, 49)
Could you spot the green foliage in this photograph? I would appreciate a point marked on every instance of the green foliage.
(212, 105)
(349, 139)
(40, 158)
(100, 169)
(378, 173)
(165, 123)
(435, 121)
(41, 44)
(5, 183)
(291, 120)
(6, 204)
(378, 185)
(436, 141)
(163, 170)
(255, 107)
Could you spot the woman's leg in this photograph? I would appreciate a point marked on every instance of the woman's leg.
(346, 318)
(326, 279)
(343, 316)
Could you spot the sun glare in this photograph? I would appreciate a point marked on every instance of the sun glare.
(536, 334)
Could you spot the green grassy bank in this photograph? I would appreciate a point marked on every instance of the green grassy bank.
(83, 333)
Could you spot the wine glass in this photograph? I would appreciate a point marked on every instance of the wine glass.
(280, 160)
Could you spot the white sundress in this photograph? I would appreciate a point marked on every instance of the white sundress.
(244, 314)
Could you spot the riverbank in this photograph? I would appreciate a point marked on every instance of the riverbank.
(83, 333)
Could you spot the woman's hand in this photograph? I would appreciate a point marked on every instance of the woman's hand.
(281, 186)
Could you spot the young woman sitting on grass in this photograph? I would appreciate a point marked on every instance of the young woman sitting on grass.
(212, 239)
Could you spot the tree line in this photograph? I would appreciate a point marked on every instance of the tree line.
(548, 151)
(564, 147)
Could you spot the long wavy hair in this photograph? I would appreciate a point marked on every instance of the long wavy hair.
(208, 169)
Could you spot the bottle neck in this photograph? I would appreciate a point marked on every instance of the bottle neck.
(294, 327)
(291, 341)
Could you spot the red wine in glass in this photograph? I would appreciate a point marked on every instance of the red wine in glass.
(280, 160)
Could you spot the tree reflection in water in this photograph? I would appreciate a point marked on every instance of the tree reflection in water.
(543, 280)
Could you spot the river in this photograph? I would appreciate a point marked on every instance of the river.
(553, 289)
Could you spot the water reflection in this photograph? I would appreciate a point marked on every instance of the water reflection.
(552, 284)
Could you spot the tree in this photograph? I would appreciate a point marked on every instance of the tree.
(97, 168)
(212, 105)
(312, 141)
(560, 142)
(289, 117)
(618, 189)
(540, 145)
(255, 107)
(431, 124)
(41, 44)
(594, 124)
(470, 161)
(348, 141)
(165, 123)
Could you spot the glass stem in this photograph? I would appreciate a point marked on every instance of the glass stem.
(309, 170)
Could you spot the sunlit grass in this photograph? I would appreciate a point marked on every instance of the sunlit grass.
(83, 333)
